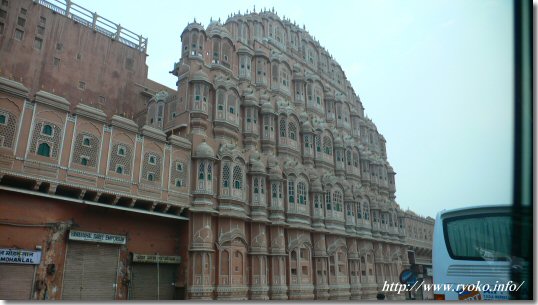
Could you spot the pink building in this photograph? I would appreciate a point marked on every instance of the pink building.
(258, 178)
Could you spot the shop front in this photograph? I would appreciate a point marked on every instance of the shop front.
(17, 273)
(154, 277)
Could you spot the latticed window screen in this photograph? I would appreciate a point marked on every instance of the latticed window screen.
(327, 145)
(226, 175)
(201, 170)
(337, 199)
(318, 143)
(238, 177)
(121, 156)
(8, 124)
(292, 131)
(307, 141)
(178, 174)
(38, 138)
(209, 171)
(86, 149)
(256, 186)
(153, 165)
(283, 128)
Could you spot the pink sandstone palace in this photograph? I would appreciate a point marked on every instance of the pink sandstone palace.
(259, 177)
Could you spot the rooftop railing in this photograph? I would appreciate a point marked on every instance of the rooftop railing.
(98, 23)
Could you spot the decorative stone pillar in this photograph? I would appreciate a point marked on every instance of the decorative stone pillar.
(320, 264)
(278, 288)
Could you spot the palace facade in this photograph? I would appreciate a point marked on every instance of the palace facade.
(259, 177)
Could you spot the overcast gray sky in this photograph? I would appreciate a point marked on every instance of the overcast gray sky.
(434, 75)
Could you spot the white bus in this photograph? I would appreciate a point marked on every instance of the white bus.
(471, 254)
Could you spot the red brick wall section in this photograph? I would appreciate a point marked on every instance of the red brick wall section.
(145, 234)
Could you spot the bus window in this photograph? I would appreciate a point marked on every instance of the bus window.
(479, 237)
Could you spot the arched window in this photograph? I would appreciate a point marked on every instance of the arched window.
(121, 151)
(231, 103)
(209, 171)
(151, 177)
(327, 145)
(355, 159)
(256, 186)
(226, 54)
(201, 170)
(86, 141)
(47, 130)
(44, 149)
(220, 100)
(283, 128)
(274, 74)
(238, 177)
(317, 203)
(216, 51)
(84, 161)
(337, 199)
(119, 169)
(3, 119)
(291, 191)
(348, 157)
(193, 45)
(328, 202)
(359, 212)
(366, 211)
(152, 159)
(318, 143)
(301, 192)
(292, 131)
(306, 140)
(226, 176)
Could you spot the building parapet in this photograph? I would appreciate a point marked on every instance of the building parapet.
(98, 23)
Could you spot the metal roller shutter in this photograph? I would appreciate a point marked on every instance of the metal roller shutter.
(16, 281)
(90, 271)
(144, 281)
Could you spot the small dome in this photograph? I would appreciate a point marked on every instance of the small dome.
(316, 186)
(204, 151)
(200, 75)
(256, 164)
(338, 142)
(215, 28)
(193, 26)
(267, 107)
(307, 127)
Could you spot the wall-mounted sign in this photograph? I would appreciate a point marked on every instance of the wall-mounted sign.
(17, 256)
(97, 237)
(153, 258)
